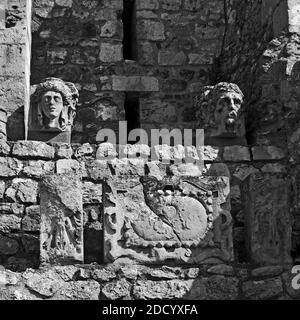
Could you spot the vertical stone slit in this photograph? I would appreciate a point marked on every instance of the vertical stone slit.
(129, 27)
(132, 111)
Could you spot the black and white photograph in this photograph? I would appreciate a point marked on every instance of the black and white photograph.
(149, 152)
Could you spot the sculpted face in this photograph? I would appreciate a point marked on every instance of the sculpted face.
(52, 104)
(227, 110)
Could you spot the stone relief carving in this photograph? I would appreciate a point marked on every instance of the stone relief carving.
(52, 110)
(219, 111)
(173, 219)
(269, 220)
(61, 219)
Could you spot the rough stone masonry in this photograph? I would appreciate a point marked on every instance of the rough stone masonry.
(76, 227)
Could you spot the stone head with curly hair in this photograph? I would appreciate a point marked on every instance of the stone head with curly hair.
(219, 110)
(53, 105)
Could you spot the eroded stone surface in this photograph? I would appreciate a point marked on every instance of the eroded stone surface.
(61, 219)
(176, 219)
(268, 218)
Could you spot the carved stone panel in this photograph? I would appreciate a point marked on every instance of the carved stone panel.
(169, 220)
(61, 219)
(52, 111)
(268, 218)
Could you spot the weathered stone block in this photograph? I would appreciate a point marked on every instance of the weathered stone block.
(45, 284)
(268, 271)
(64, 151)
(111, 52)
(171, 4)
(10, 167)
(79, 290)
(84, 150)
(33, 149)
(12, 208)
(9, 223)
(171, 58)
(147, 4)
(221, 288)
(174, 289)
(4, 148)
(135, 83)
(23, 190)
(264, 289)
(173, 219)
(64, 3)
(117, 290)
(31, 220)
(268, 218)
(150, 30)
(38, 168)
(209, 153)
(267, 153)
(8, 246)
(70, 165)
(236, 154)
(98, 170)
(61, 219)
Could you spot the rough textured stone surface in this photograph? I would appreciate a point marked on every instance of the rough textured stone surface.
(23, 190)
(31, 220)
(174, 289)
(80, 290)
(236, 153)
(158, 217)
(116, 290)
(33, 149)
(61, 219)
(10, 167)
(265, 289)
(267, 153)
(268, 219)
(8, 246)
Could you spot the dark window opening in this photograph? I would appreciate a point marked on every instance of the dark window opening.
(132, 112)
(129, 27)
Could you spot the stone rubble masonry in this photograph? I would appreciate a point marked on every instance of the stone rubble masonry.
(26, 162)
(95, 282)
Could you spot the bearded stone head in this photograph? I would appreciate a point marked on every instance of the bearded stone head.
(219, 110)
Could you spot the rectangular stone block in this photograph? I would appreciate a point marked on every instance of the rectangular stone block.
(268, 221)
(61, 219)
(147, 4)
(3, 5)
(175, 220)
(135, 83)
(151, 30)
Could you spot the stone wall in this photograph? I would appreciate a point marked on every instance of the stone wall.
(94, 282)
(12, 68)
(174, 44)
(176, 47)
(268, 56)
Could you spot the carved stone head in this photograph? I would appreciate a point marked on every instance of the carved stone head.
(219, 110)
(53, 105)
